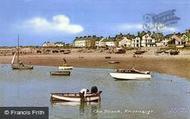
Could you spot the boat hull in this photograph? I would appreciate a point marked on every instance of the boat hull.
(21, 67)
(60, 73)
(65, 67)
(75, 97)
(130, 76)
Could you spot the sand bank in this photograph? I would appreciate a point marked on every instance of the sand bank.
(177, 65)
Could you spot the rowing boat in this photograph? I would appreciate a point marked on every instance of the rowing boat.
(76, 97)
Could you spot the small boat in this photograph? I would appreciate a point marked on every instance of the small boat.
(65, 67)
(174, 52)
(76, 97)
(66, 52)
(60, 73)
(139, 52)
(107, 57)
(130, 74)
(120, 51)
(19, 65)
(113, 62)
(73, 103)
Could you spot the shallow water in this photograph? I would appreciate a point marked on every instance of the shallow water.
(164, 96)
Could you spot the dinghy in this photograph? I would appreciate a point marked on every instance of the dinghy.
(60, 73)
(76, 97)
(65, 67)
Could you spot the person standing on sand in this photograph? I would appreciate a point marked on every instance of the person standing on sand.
(65, 61)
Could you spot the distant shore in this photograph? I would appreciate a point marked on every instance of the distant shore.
(177, 65)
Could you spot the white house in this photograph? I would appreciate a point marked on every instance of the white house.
(110, 43)
(136, 42)
(177, 40)
(165, 42)
(125, 42)
(106, 42)
(80, 43)
(147, 41)
(48, 44)
(101, 43)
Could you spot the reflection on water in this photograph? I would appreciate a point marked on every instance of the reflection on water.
(164, 96)
(86, 109)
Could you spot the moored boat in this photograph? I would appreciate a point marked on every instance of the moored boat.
(139, 52)
(130, 74)
(19, 65)
(76, 97)
(60, 73)
(113, 62)
(65, 67)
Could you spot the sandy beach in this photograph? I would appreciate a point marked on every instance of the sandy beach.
(177, 65)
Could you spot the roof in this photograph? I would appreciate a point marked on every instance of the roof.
(87, 38)
(108, 40)
(176, 37)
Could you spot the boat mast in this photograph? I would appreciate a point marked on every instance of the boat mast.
(18, 51)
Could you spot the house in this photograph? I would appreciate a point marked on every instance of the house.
(51, 44)
(165, 42)
(48, 44)
(148, 41)
(107, 42)
(124, 42)
(101, 43)
(59, 44)
(92, 41)
(136, 42)
(79, 42)
(186, 38)
(176, 40)
(87, 41)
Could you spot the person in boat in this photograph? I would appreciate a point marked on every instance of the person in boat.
(94, 89)
(84, 91)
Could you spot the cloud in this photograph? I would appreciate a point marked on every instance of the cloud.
(58, 24)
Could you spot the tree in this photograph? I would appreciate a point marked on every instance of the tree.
(158, 36)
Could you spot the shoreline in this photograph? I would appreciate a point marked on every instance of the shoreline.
(175, 65)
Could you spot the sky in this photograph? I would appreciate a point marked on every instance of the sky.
(37, 21)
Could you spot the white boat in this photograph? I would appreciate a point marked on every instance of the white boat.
(73, 103)
(131, 75)
(76, 97)
(65, 67)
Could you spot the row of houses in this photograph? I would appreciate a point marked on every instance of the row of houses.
(146, 40)
(51, 44)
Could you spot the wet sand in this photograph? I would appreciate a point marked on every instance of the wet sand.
(177, 65)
